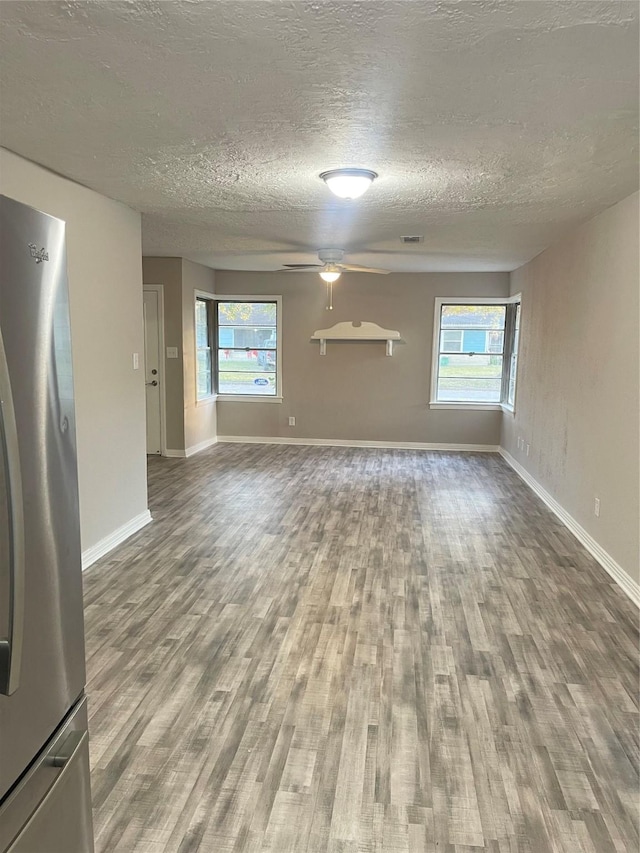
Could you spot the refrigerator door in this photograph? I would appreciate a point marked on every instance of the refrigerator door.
(42, 670)
(12, 565)
(50, 809)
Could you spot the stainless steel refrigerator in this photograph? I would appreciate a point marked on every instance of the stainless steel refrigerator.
(45, 802)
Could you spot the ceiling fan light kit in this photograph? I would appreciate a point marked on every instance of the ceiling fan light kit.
(331, 261)
(330, 273)
(349, 183)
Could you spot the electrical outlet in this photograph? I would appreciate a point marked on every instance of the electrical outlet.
(520, 442)
(528, 447)
(292, 421)
(596, 507)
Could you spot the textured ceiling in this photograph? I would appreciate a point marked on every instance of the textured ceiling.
(493, 125)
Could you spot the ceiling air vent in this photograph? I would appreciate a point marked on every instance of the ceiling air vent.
(413, 238)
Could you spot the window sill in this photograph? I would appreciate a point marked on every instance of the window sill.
(507, 409)
(247, 398)
(206, 401)
(490, 407)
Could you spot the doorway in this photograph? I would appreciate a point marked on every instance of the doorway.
(153, 312)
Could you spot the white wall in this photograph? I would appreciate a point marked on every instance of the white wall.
(577, 400)
(105, 284)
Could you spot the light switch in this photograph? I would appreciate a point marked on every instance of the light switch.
(136, 361)
(172, 352)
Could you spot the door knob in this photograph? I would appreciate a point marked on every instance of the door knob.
(151, 383)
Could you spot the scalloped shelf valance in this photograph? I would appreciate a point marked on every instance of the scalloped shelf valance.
(351, 332)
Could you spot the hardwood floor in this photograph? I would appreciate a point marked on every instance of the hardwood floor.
(358, 651)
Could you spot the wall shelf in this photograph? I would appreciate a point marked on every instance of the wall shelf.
(356, 332)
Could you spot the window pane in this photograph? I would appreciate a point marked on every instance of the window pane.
(469, 389)
(470, 378)
(241, 382)
(473, 316)
(250, 337)
(247, 314)
(202, 324)
(513, 366)
(204, 386)
(241, 361)
(512, 379)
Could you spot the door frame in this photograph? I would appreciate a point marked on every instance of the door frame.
(159, 289)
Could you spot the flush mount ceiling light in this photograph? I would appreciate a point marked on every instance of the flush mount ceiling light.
(348, 183)
(330, 273)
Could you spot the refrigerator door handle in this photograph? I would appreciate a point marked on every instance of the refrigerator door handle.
(11, 648)
(68, 749)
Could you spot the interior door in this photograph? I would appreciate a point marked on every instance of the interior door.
(152, 370)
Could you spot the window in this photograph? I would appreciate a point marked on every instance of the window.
(475, 352)
(513, 366)
(238, 347)
(204, 372)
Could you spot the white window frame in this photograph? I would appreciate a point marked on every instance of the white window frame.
(435, 355)
(245, 398)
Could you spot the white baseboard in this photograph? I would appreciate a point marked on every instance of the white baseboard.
(118, 536)
(349, 442)
(191, 451)
(343, 442)
(624, 581)
(196, 448)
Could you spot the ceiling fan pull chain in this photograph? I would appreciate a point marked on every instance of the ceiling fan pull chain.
(329, 296)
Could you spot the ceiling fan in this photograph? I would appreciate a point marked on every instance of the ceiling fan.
(330, 269)
(331, 266)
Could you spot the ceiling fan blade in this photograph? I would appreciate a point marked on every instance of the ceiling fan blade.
(301, 267)
(357, 268)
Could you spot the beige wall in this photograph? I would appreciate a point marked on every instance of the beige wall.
(199, 418)
(168, 273)
(356, 391)
(188, 424)
(577, 399)
(105, 284)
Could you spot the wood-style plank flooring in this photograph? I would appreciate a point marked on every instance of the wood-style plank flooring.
(358, 651)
